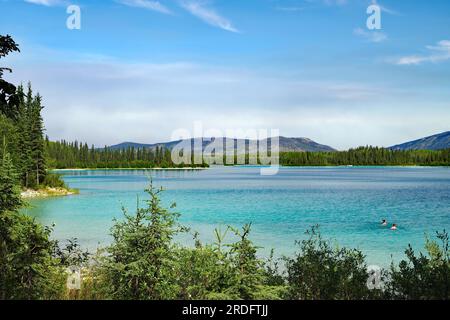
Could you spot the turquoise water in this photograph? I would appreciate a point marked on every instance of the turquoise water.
(347, 203)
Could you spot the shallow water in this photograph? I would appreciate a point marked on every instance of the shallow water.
(347, 203)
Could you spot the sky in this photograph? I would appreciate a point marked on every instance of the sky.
(138, 70)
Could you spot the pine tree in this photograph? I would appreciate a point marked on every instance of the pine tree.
(34, 145)
(10, 199)
(142, 246)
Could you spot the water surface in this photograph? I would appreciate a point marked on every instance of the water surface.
(347, 203)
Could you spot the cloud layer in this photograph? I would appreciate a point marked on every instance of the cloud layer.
(146, 4)
(371, 36)
(47, 3)
(437, 53)
(208, 15)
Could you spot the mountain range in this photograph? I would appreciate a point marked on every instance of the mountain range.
(285, 144)
(434, 142)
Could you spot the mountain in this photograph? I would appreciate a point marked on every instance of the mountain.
(302, 144)
(286, 144)
(436, 142)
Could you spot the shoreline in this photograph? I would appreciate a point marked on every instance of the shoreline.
(47, 193)
(156, 169)
(262, 166)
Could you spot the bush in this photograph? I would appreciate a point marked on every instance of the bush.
(54, 180)
(27, 268)
(423, 276)
(224, 271)
(141, 260)
(320, 272)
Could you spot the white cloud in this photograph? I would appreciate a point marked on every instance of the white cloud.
(384, 8)
(336, 2)
(290, 9)
(47, 3)
(329, 2)
(437, 53)
(208, 15)
(372, 36)
(146, 4)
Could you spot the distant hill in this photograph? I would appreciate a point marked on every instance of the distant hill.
(286, 144)
(436, 142)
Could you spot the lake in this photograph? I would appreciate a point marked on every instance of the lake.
(347, 202)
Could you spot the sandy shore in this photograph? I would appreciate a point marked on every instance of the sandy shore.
(47, 192)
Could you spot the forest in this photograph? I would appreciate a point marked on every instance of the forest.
(367, 156)
(64, 155)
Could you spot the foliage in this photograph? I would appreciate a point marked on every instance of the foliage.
(64, 155)
(320, 271)
(8, 105)
(10, 199)
(27, 268)
(248, 268)
(367, 156)
(273, 276)
(423, 276)
(71, 254)
(141, 258)
(53, 180)
(24, 135)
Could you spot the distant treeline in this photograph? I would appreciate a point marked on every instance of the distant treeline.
(367, 156)
(63, 154)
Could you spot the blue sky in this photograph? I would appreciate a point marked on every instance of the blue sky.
(140, 69)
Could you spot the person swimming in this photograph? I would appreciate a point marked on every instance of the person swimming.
(384, 222)
(394, 227)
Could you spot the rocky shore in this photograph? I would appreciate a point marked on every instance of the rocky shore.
(47, 192)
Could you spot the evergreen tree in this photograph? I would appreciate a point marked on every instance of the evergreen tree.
(37, 167)
(10, 199)
(141, 262)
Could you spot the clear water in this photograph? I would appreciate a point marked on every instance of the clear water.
(348, 204)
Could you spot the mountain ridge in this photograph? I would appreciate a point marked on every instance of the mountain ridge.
(286, 144)
(435, 142)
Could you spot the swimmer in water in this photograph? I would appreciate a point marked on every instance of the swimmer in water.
(394, 227)
(384, 222)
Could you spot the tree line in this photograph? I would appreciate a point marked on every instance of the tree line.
(63, 154)
(367, 156)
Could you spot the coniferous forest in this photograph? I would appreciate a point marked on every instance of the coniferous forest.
(367, 156)
(64, 155)
(144, 261)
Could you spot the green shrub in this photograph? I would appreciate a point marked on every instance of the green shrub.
(54, 180)
(28, 269)
(423, 276)
(320, 271)
(141, 260)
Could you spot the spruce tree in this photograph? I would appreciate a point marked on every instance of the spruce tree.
(10, 199)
